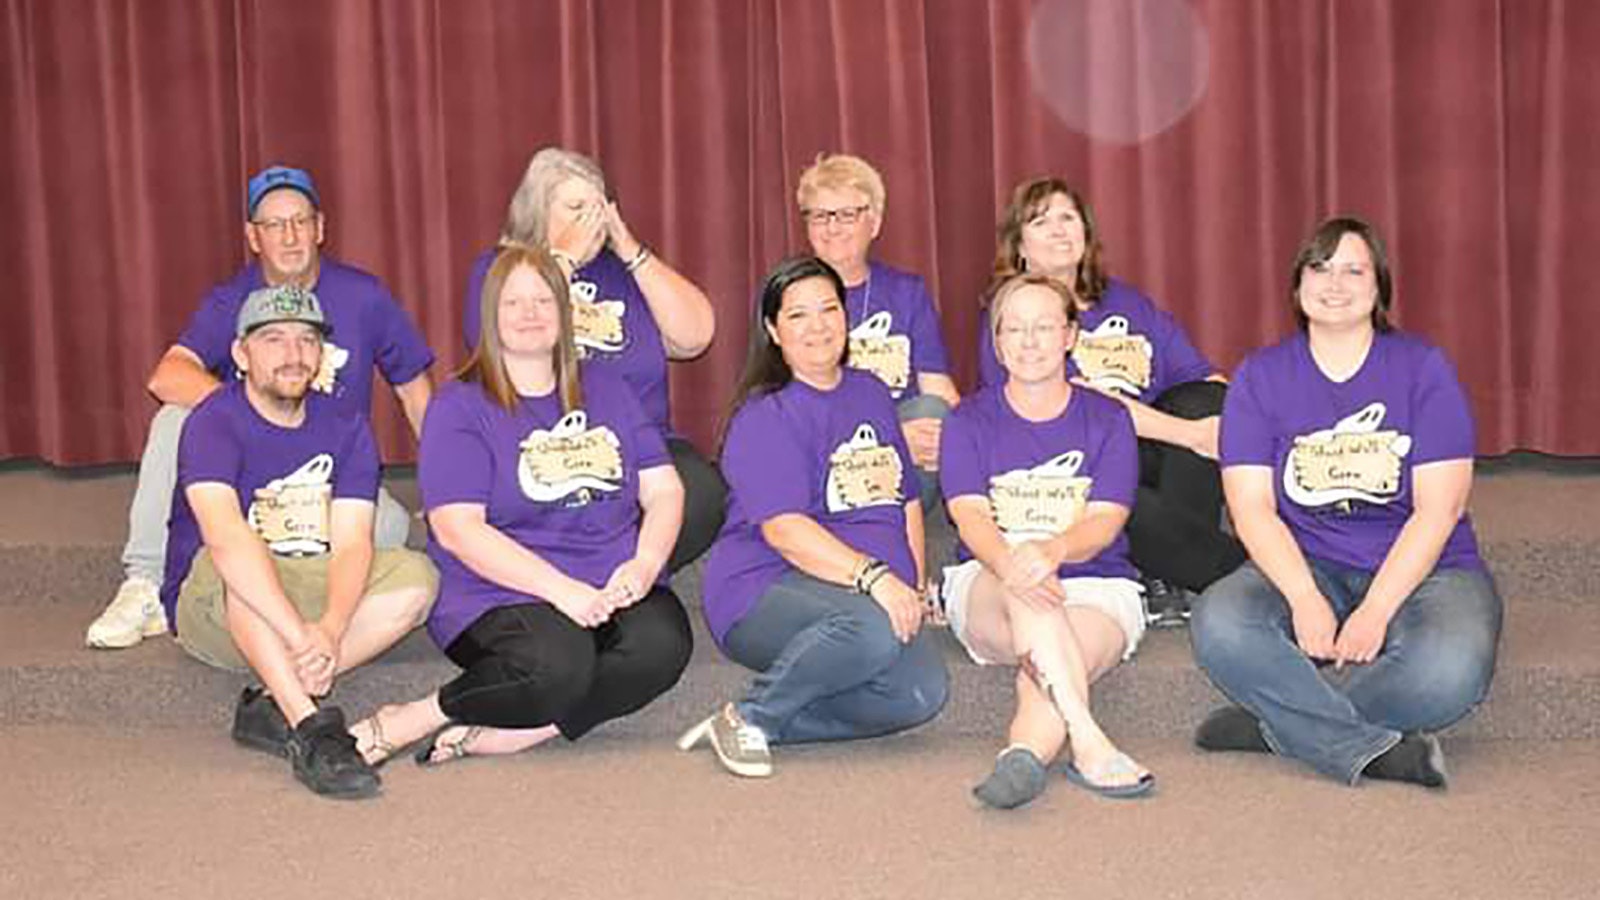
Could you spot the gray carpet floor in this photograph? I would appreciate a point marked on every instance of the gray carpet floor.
(122, 782)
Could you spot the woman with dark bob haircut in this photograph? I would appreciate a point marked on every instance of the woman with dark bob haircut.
(1365, 619)
(817, 580)
(1138, 354)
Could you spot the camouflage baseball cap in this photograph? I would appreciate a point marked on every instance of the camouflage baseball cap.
(284, 303)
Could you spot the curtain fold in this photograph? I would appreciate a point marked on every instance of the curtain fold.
(1209, 135)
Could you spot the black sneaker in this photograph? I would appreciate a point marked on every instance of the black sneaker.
(258, 723)
(324, 757)
(1166, 605)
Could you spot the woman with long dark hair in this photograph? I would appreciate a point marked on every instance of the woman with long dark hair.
(817, 580)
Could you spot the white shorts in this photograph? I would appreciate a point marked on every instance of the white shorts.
(1120, 598)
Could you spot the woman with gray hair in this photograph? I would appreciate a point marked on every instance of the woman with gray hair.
(631, 310)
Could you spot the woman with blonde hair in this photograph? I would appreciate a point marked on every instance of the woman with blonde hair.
(1138, 354)
(894, 325)
(1040, 476)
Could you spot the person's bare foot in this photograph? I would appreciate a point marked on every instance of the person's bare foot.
(1103, 766)
(461, 741)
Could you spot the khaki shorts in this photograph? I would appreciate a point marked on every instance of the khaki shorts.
(1120, 598)
(203, 621)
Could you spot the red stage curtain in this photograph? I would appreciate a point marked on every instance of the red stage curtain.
(1209, 135)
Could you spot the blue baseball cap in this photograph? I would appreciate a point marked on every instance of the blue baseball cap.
(273, 177)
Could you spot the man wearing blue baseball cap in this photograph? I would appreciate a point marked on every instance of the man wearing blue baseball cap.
(285, 228)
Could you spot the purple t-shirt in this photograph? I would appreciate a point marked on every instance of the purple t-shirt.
(369, 329)
(612, 325)
(836, 456)
(1342, 454)
(894, 329)
(286, 478)
(1038, 476)
(566, 486)
(1125, 344)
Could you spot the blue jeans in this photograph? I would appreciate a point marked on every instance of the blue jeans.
(830, 668)
(925, 406)
(1435, 666)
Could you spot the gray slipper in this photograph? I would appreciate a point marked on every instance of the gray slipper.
(1018, 778)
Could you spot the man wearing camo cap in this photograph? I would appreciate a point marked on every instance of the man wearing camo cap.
(270, 566)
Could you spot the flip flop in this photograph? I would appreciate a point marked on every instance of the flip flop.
(1120, 764)
(437, 752)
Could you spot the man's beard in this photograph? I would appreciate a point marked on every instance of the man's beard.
(288, 395)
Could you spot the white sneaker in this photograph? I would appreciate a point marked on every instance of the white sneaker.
(134, 614)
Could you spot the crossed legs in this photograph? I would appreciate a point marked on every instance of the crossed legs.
(1058, 654)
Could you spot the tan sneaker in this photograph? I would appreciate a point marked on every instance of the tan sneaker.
(741, 747)
(134, 614)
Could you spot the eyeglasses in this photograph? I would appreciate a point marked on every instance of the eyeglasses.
(276, 228)
(1044, 331)
(849, 215)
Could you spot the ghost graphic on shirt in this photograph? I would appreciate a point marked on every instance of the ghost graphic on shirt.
(292, 514)
(863, 472)
(1041, 501)
(888, 356)
(1353, 460)
(596, 324)
(334, 358)
(1111, 359)
(570, 463)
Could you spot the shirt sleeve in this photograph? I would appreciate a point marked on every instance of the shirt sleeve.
(910, 481)
(455, 463)
(209, 334)
(208, 450)
(1180, 361)
(356, 470)
(402, 354)
(1116, 478)
(960, 456)
(764, 461)
(1444, 428)
(990, 372)
(927, 343)
(649, 446)
(1245, 435)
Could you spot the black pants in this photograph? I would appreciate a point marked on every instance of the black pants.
(705, 503)
(528, 665)
(1175, 533)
